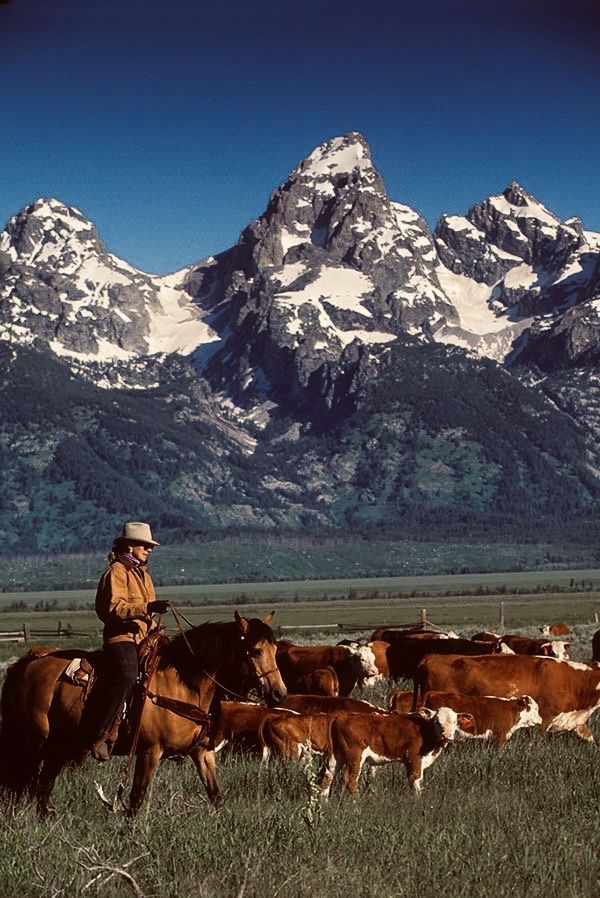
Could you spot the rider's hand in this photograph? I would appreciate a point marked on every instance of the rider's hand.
(158, 607)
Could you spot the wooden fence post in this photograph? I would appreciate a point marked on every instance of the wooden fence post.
(423, 616)
(502, 624)
(27, 632)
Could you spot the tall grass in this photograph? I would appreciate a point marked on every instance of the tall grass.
(524, 822)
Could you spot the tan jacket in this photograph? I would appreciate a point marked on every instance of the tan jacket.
(122, 598)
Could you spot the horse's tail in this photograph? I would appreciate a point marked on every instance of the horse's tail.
(19, 759)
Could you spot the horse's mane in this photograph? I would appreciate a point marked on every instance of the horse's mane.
(214, 646)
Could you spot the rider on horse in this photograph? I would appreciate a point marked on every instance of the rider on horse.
(125, 602)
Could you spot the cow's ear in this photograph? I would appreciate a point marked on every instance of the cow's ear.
(547, 648)
(465, 721)
(425, 713)
(242, 623)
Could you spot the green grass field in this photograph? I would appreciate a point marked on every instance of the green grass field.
(521, 823)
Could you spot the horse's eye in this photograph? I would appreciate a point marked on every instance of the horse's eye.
(255, 653)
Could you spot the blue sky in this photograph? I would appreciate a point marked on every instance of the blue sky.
(169, 124)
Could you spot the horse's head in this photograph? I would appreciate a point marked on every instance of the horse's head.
(258, 645)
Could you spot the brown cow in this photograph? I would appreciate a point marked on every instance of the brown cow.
(415, 739)
(523, 645)
(554, 630)
(323, 681)
(237, 724)
(325, 704)
(404, 655)
(567, 692)
(351, 663)
(596, 646)
(493, 718)
(389, 634)
(486, 636)
(291, 735)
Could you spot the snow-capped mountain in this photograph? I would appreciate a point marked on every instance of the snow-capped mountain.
(60, 286)
(313, 375)
(331, 273)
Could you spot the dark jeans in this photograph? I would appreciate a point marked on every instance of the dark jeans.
(119, 678)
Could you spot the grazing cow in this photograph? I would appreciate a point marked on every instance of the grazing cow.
(290, 735)
(567, 692)
(493, 717)
(323, 681)
(523, 645)
(404, 655)
(351, 663)
(596, 646)
(415, 739)
(325, 704)
(554, 630)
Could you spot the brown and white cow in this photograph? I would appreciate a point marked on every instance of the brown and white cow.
(350, 662)
(323, 681)
(414, 739)
(289, 736)
(378, 659)
(567, 692)
(325, 704)
(494, 718)
(404, 655)
(524, 645)
(554, 630)
(237, 724)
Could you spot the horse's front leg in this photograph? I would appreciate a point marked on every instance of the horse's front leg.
(145, 765)
(206, 765)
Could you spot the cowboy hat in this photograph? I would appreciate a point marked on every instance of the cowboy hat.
(137, 532)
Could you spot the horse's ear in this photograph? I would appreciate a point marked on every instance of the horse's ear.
(241, 622)
(268, 618)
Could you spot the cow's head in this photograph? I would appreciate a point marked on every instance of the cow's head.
(363, 661)
(529, 712)
(556, 648)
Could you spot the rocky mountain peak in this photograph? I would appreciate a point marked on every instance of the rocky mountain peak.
(48, 232)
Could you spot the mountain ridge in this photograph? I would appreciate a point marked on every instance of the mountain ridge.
(265, 364)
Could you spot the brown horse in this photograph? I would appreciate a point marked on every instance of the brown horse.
(43, 730)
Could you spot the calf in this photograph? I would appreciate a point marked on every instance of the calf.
(290, 736)
(323, 681)
(325, 704)
(494, 718)
(554, 630)
(238, 723)
(523, 645)
(414, 739)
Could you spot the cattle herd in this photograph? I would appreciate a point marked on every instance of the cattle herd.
(483, 688)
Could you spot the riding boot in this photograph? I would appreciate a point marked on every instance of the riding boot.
(102, 748)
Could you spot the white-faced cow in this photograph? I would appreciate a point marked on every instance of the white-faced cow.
(351, 663)
(494, 718)
(524, 645)
(554, 630)
(414, 739)
(567, 692)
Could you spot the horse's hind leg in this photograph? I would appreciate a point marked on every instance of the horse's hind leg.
(54, 761)
(145, 766)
